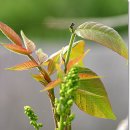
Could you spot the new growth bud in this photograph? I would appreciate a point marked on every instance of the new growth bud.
(29, 45)
(42, 57)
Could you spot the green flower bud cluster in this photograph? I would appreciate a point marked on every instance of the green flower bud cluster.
(33, 117)
(65, 102)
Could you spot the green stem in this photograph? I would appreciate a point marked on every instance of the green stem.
(61, 125)
(50, 92)
(69, 50)
(66, 62)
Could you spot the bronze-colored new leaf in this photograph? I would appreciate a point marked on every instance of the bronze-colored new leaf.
(88, 76)
(76, 60)
(40, 78)
(11, 34)
(16, 48)
(24, 66)
(52, 84)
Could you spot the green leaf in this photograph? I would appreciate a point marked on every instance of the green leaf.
(92, 98)
(103, 35)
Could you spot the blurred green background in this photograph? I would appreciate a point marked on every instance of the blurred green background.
(31, 15)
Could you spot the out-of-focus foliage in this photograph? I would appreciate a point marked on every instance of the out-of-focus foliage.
(29, 15)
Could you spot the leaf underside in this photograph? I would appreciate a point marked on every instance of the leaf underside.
(103, 35)
(92, 98)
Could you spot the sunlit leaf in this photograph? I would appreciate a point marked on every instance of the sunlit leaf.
(91, 97)
(60, 72)
(11, 34)
(16, 48)
(40, 78)
(77, 50)
(24, 66)
(51, 67)
(52, 84)
(103, 35)
(76, 60)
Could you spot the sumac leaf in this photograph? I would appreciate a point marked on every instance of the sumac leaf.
(24, 66)
(103, 35)
(91, 97)
(11, 34)
(16, 48)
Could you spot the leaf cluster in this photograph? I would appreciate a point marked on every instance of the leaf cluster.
(90, 96)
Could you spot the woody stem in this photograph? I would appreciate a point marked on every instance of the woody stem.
(50, 92)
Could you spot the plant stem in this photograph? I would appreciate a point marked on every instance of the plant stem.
(66, 62)
(50, 92)
(61, 125)
(69, 50)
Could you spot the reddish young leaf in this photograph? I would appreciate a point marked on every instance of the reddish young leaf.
(84, 76)
(40, 78)
(76, 60)
(24, 66)
(10, 33)
(16, 48)
(52, 84)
